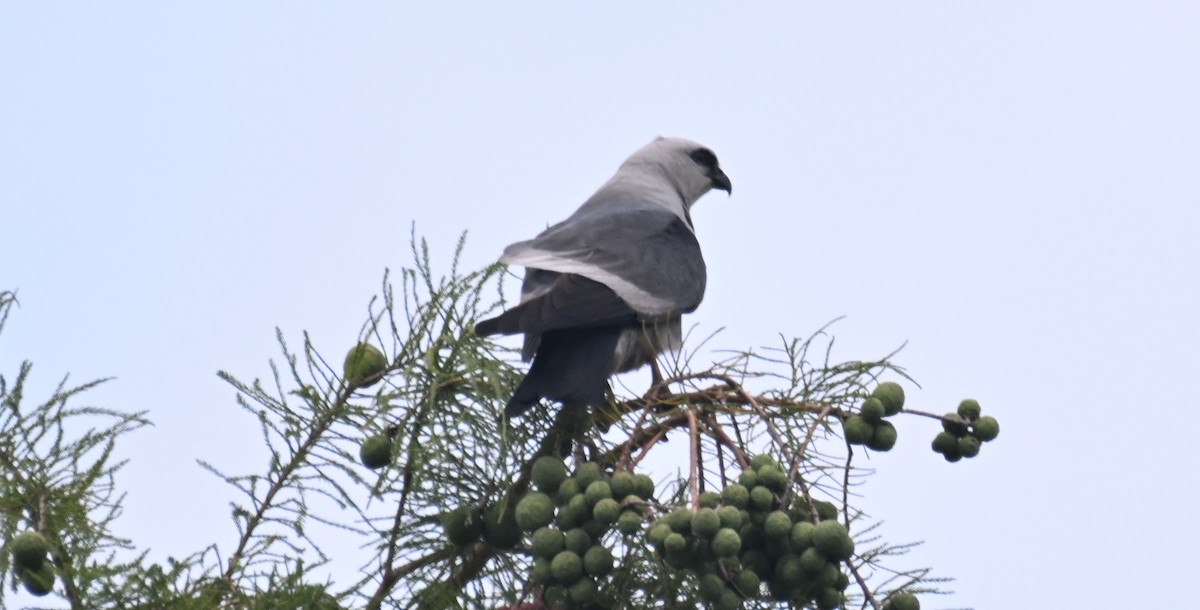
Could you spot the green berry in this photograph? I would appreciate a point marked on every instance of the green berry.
(826, 510)
(29, 550)
(630, 522)
(500, 528)
(710, 499)
(548, 473)
(535, 510)
(736, 495)
(680, 520)
(658, 532)
(462, 525)
(969, 409)
(547, 542)
(891, 394)
(828, 598)
(832, 540)
(884, 437)
(706, 522)
(788, 571)
(986, 428)
(556, 596)
(761, 499)
(813, 561)
(675, 543)
(38, 581)
(376, 451)
(954, 424)
(588, 473)
(748, 479)
(598, 561)
(729, 600)
(730, 517)
(574, 513)
(540, 572)
(710, 587)
(597, 491)
(726, 543)
(968, 446)
(902, 600)
(584, 591)
(756, 560)
(777, 525)
(761, 460)
(644, 486)
(577, 540)
(944, 441)
(801, 535)
(606, 511)
(623, 484)
(568, 489)
(857, 430)
(566, 567)
(772, 478)
(747, 583)
(872, 410)
(364, 365)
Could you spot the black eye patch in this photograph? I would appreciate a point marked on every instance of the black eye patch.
(704, 157)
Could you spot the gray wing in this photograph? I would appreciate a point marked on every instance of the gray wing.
(646, 254)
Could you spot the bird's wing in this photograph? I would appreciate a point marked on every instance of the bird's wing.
(643, 252)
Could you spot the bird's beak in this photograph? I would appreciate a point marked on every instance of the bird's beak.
(721, 181)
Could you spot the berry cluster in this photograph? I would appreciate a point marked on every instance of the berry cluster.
(869, 427)
(29, 551)
(565, 520)
(746, 537)
(964, 432)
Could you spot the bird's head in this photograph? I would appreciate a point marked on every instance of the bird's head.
(690, 168)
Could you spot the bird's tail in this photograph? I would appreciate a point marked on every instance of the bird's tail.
(571, 365)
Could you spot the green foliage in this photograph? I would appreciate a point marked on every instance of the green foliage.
(473, 511)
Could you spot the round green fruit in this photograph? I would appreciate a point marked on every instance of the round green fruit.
(644, 486)
(598, 561)
(761, 499)
(945, 442)
(657, 534)
(788, 571)
(623, 484)
(630, 522)
(748, 479)
(540, 572)
(577, 540)
(29, 550)
(872, 410)
(969, 409)
(986, 428)
(588, 473)
(573, 513)
(535, 510)
(680, 520)
(832, 540)
(828, 598)
(726, 543)
(968, 446)
(566, 567)
(364, 365)
(597, 491)
(462, 525)
(902, 600)
(812, 561)
(38, 581)
(884, 437)
(556, 596)
(606, 511)
(857, 430)
(891, 394)
(761, 460)
(730, 517)
(710, 587)
(500, 528)
(729, 600)
(772, 478)
(826, 510)
(801, 535)
(705, 522)
(778, 525)
(675, 543)
(710, 499)
(954, 424)
(547, 542)
(548, 473)
(736, 495)
(568, 489)
(747, 583)
(376, 451)
(584, 591)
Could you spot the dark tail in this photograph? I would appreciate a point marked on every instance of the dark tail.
(571, 365)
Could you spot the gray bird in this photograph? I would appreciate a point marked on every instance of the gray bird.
(604, 289)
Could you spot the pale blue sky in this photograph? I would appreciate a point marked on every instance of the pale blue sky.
(1010, 187)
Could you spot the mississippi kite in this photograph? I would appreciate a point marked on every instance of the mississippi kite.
(605, 288)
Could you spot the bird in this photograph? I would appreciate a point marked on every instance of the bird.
(604, 289)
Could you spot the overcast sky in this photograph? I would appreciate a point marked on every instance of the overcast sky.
(1010, 187)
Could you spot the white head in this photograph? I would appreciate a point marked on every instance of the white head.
(688, 167)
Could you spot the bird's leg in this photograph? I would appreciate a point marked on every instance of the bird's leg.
(657, 390)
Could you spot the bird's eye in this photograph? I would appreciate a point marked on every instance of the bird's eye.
(704, 157)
